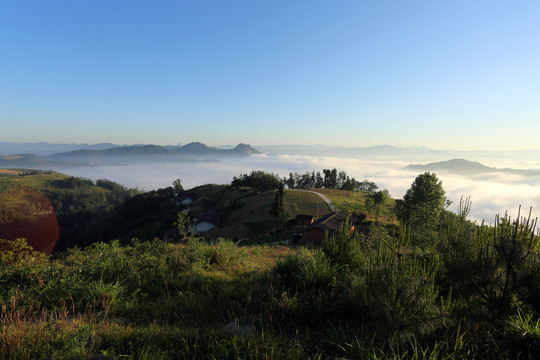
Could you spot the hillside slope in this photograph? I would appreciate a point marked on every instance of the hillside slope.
(43, 206)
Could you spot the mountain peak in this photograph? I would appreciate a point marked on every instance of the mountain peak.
(245, 149)
(195, 146)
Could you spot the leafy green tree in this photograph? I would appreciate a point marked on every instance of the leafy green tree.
(182, 223)
(177, 186)
(379, 198)
(367, 186)
(369, 204)
(423, 203)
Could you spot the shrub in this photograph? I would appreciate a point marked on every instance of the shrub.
(18, 252)
(343, 248)
(493, 266)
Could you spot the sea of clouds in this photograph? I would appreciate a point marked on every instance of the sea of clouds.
(491, 194)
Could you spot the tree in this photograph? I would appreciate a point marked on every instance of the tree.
(423, 203)
(258, 179)
(178, 188)
(182, 223)
(367, 186)
(379, 198)
(277, 206)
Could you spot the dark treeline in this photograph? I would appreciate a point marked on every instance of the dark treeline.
(329, 179)
(258, 179)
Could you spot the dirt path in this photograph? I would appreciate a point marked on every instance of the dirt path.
(322, 196)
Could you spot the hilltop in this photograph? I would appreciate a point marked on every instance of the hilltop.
(466, 167)
(87, 212)
(42, 206)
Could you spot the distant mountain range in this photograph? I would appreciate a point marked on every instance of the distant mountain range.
(379, 151)
(194, 151)
(466, 167)
(44, 149)
(43, 155)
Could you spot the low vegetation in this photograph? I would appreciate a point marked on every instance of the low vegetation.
(445, 288)
(303, 202)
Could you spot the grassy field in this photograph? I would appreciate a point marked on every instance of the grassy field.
(142, 301)
(354, 202)
(39, 180)
(44, 207)
(8, 172)
(215, 300)
(20, 191)
(306, 203)
(246, 214)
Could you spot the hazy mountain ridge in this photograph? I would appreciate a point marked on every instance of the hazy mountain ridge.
(194, 151)
(466, 167)
(158, 150)
(44, 148)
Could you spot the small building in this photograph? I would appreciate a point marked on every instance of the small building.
(206, 222)
(315, 233)
(305, 220)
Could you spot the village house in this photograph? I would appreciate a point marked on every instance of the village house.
(315, 233)
(206, 222)
(185, 200)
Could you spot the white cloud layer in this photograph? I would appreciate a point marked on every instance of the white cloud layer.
(491, 194)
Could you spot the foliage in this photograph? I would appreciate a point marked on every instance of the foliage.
(277, 206)
(34, 203)
(258, 179)
(177, 186)
(379, 198)
(182, 223)
(332, 179)
(371, 296)
(460, 291)
(344, 249)
(18, 252)
(422, 204)
(110, 185)
(493, 266)
(367, 186)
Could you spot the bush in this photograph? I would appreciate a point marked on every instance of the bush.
(343, 248)
(495, 267)
(18, 252)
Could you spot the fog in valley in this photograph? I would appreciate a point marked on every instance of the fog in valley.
(491, 193)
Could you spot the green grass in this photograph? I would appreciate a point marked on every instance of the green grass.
(354, 202)
(19, 191)
(305, 203)
(153, 300)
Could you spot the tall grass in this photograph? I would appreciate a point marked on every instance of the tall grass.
(371, 297)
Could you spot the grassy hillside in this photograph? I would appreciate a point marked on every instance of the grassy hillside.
(355, 202)
(303, 202)
(42, 206)
(360, 297)
(245, 212)
(86, 213)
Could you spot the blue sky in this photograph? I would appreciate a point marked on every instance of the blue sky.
(443, 74)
